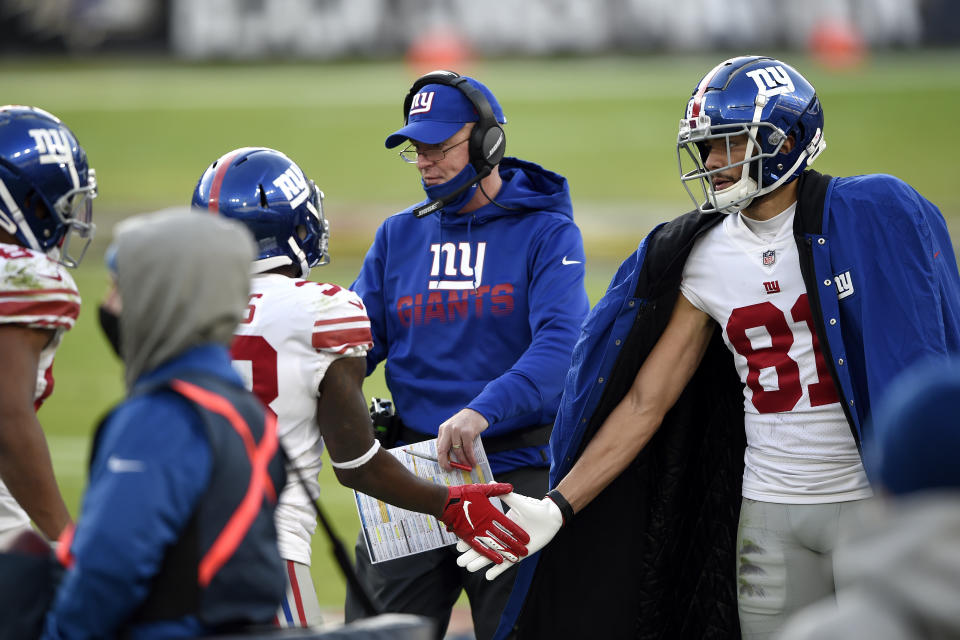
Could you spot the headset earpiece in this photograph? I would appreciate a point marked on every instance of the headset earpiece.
(492, 146)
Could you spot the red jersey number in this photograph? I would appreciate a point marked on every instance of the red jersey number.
(263, 363)
(251, 308)
(776, 356)
(12, 253)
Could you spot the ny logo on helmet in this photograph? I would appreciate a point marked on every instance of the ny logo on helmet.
(772, 81)
(294, 186)
(421, 102)
(53, 146)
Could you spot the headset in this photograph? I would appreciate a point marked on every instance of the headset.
(487, 140)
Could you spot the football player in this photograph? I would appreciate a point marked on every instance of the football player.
(302, 349)
(732, 369)
(46, 188)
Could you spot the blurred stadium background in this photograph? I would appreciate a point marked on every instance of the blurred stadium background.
(156, 90)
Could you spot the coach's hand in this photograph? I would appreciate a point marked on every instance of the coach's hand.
(540, 518)
(469, 514)
(456, 437)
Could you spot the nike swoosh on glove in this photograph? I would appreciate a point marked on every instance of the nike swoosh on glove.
(469, 514)
(540, 518)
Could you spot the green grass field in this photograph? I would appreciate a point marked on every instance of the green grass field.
(151, 127)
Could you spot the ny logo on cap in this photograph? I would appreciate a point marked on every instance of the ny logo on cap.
(421, 102)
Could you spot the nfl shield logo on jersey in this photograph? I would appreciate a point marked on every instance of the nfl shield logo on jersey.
(769, 257)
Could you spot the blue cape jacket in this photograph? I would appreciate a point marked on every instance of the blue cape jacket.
(656, 547)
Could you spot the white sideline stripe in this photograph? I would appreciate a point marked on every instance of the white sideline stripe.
(175, 89)
(183, 102)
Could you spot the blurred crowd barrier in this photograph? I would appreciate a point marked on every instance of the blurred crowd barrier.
(329, 29)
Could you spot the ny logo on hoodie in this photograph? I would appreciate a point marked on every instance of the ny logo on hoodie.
(456, 275)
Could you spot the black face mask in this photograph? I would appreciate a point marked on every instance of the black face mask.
(110, 324)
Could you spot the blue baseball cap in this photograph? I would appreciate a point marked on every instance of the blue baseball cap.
(438, 111)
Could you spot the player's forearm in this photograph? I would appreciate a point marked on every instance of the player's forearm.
(629, 427)
(386, 479)
(618, 441)
(26, 469)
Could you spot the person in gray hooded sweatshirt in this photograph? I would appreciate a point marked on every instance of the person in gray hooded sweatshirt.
(176, 535)
(897, 565)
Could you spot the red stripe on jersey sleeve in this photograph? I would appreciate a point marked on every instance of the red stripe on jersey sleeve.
(322, 323)
(343, 338)
(65, 311)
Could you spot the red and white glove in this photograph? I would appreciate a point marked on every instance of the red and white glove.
(542, 518)
(469, 514)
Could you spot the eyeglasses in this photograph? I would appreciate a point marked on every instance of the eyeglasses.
(411, 153)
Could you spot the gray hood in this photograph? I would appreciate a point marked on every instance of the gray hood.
(183, 277)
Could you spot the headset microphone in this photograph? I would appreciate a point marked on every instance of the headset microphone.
(439, 203)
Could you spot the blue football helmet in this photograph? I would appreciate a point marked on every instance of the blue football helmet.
(764, 99)
(46, 186)
(268, 192)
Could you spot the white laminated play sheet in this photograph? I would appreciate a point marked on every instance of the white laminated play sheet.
(392, 532)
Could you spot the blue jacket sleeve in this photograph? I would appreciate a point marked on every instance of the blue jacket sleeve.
(558, 304)
(150, 470)
(369, 286)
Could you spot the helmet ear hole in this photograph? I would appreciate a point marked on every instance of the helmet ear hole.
(35, 205)
(302, 232)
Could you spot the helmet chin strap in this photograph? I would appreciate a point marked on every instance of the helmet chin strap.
(268, 264)
(785, 176)
(735, 197)
(747, 185)
(301, 257)
(741, 193)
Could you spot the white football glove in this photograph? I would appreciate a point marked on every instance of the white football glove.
(540, 518)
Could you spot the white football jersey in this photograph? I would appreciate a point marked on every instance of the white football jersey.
(799, 446)
(293, 330)
(35, 291)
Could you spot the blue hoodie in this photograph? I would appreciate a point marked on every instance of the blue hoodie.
(480, 310)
